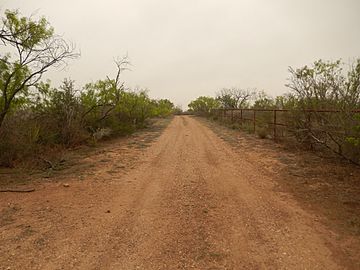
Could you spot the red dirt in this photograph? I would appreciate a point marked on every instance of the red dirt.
(189, 201)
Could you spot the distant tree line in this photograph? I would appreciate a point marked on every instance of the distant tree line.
(325, 85)
(36, 116)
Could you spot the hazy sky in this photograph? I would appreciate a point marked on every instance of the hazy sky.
(181, 49)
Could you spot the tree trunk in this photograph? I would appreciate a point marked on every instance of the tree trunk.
(2, 117)
(3, 113)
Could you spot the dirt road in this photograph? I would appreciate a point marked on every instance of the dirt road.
(190, 202)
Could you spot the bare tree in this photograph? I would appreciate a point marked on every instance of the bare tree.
(122, 64)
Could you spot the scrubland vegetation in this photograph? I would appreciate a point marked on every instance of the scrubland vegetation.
(37, 117)
(321, 110)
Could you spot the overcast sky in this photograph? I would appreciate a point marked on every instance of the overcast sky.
(181, 49)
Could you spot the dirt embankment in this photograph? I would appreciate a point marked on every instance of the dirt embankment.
(190, 200)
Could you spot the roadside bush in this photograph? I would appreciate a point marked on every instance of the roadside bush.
(355, 138)
(17, 139)
(325, 86)
(51, 117)
(58, 113)
(164, 108)
(320, 111)
(203, 105)
(263, 101)
(262, 133)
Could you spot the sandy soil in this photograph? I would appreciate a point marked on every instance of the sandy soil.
(189, 201)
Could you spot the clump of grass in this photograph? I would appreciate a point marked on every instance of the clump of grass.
(235, 126)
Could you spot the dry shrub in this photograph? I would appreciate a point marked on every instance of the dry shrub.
(262, 133)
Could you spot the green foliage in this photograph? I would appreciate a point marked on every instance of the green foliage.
(32, 48)
(325, 85)
(24, 31)
(135, 107)
(177, 110)
(203, 105)
(164, 107)
(11, 77)
(318, 111)
(60, 111)
(67, 116)
(227, 101)
(121, 110)
(286, 101)
(263, 101)
(355, 138)
(234, 98)
(98, 101)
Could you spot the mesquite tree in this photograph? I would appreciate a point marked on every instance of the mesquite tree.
(234, 98)
(28, 49)
(203, 105)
